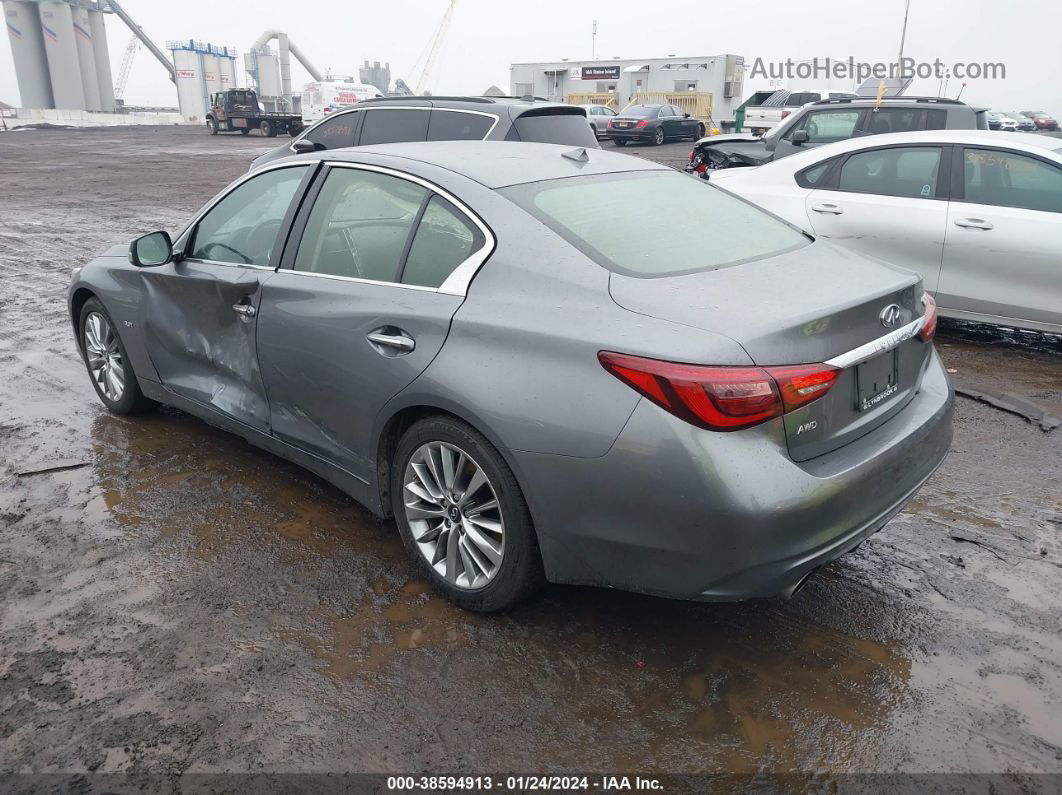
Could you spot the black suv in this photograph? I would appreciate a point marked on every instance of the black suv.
(832, 120)
(397, 119)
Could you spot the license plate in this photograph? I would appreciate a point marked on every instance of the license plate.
(877, 380)
(239, 122)
(623, 124)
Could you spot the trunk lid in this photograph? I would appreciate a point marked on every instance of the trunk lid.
(805, 306)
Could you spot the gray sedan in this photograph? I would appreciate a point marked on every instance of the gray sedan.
(545, 363)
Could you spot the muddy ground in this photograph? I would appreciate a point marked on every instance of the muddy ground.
(178, 601)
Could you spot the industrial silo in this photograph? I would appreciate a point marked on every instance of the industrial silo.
(57, 26)
(191, 85)
(103, 61)
(211, 72)
(227, 70)
(27, 49)
(86, 57)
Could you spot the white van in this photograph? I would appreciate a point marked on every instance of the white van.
(320, 99)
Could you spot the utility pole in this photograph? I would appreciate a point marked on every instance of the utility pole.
(903, 37)
(593, 45)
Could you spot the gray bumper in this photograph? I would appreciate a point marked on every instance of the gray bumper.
(677, 511)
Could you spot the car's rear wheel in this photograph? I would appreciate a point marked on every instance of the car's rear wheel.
(107, 362)
(658, 136)
(463, 517)
(267, 128)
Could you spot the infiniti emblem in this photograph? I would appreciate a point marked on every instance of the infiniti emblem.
(890, 315)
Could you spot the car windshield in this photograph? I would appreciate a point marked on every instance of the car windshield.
(641, 111)
(658, 223)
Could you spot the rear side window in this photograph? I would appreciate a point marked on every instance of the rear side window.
(450, 125)
(393, 125)
(900, 171)
(334, 132)
(812, 177)
(1007, 179)
(359, 225)
(890, 120)
(936, 119)
(555, 128)
(639, 223)
(444, 239)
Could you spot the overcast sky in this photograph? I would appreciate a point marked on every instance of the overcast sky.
(487, 35)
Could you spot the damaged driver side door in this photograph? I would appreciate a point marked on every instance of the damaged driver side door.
(200, 311)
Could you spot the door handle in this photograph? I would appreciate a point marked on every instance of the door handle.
(974, 223)
(397, 340)
(246, 310)
(827, 209)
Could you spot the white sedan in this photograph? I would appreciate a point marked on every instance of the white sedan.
(977, 213)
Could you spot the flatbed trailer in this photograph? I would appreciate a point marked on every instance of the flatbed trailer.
(237, 110)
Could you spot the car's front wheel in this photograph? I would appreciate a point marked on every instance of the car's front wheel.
(107, 362)
(212, 125)
(463, 517)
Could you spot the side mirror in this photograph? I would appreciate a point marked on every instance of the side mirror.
(799, 137)
(151, 250)
(302, 146)
(685, 115)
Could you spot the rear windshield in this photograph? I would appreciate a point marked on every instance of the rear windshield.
(657, 223)
(570, 129)
(641, 111)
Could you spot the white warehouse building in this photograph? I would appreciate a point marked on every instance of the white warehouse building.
(706, 86)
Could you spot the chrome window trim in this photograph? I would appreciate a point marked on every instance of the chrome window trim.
(430, 109)
(223, 193)
(884, 344)
(460, 277)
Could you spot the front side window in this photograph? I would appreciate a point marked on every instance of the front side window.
(394, 125)
(825, 126)
(448, 125)
(901, 171)
(638, 223)
(334, 132)
(359, 225)
(1007, 179)
(242, 228)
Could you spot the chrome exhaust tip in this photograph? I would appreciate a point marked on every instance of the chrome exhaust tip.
(795, 588)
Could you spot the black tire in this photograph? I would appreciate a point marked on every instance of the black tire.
(213, 126)
(295, 129)
(245, 131)
(700, 132)
(267, 128)
(132, 400)
(619, 142)
(520, 572)
(658, 137)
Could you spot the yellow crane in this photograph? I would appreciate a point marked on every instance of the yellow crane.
(435, 45)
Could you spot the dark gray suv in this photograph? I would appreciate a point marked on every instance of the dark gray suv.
(832, 120)
(407, 119)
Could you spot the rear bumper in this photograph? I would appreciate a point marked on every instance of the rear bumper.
(680, 512)
(630, 135)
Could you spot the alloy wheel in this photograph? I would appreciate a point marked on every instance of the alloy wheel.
(454, 515)
(104, 356)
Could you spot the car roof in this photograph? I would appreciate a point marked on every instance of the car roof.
(495, 164)
(474, 103)
(1034, 144)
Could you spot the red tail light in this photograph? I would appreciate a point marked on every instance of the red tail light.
(642, 123)
(609, 123)
(691, 155)
(929, 327)
(721, 398)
